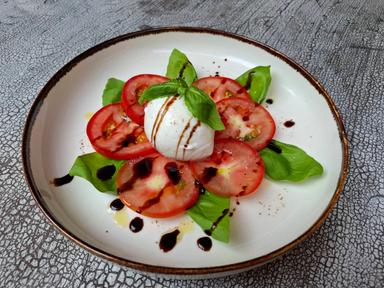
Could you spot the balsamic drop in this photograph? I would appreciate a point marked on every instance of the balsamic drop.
(204, 243)
(289, 123)
(200, 187)
(105, 173)
(274, 147)
(269, 101)
(168, 241)
(208, 174)
(216, 222)
(173, 172)
(136, 224)
(143, 168)
(116, 205)
(62, 180)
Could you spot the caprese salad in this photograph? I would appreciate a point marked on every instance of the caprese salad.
(175, 143)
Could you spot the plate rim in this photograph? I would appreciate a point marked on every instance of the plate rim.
(244, 265)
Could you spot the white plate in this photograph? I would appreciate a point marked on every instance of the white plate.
(265, 225)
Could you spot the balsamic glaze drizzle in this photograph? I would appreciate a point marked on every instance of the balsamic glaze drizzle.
(173, 172)
(204, 243)
(116, 205)
(274, 147)
(136, 224)
(168, 240)
(200, 187)
(208, 174)
(62, 180)
(216, 222)
(105, 173)
(141, 169)
(289, 123)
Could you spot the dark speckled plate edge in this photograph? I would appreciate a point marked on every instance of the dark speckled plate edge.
(204, 271)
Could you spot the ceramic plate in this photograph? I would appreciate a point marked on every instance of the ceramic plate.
(264, 225)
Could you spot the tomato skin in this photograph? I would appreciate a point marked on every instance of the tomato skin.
(221, 88)
(114, 137)
(246, 121)
(151, 191)
(131, 93)
(233, 169)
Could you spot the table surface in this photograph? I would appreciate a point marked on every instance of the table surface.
(340, 42)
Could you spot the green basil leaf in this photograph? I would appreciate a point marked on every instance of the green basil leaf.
(179, 67)
(112, 91)
(88, 165)
(210, 209)
(256, 81)
(291, 164)
(203, 108)
(165, 89)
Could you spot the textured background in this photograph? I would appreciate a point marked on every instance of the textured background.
(339, 42)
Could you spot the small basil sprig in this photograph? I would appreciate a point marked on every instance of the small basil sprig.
(256, 81)
(165, 89)
(288, 162)
(179, 67)
(98, 170)
(211, 213)
(197, 101)
(112, 91)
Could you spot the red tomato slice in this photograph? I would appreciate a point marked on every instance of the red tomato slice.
(220, 88)
(233, 169)
(157, 186)
(246, 121)
(132, 90)
(114, 137)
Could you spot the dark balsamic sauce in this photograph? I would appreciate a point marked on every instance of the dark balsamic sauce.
(160, 116)
(129, 140)
(168, 241)
(289, 123)
(269, 101)
(193, 130)
(274, 147)
(204, 243)
(208, 174)
(200, 187)
(105, 173)
(173, 172)
(62, 180)
(150, 202)
(182, 135)
(116, 205)
(181, 72)
(136, 224)
(217, 221)
(141, 169)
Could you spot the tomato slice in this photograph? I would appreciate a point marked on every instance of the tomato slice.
(114, 137)
(246, 121)
(157, 186)
(221, 87)
(233, 169)
(132, 90)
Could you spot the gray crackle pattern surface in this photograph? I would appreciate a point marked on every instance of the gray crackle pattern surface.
(340, 42)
